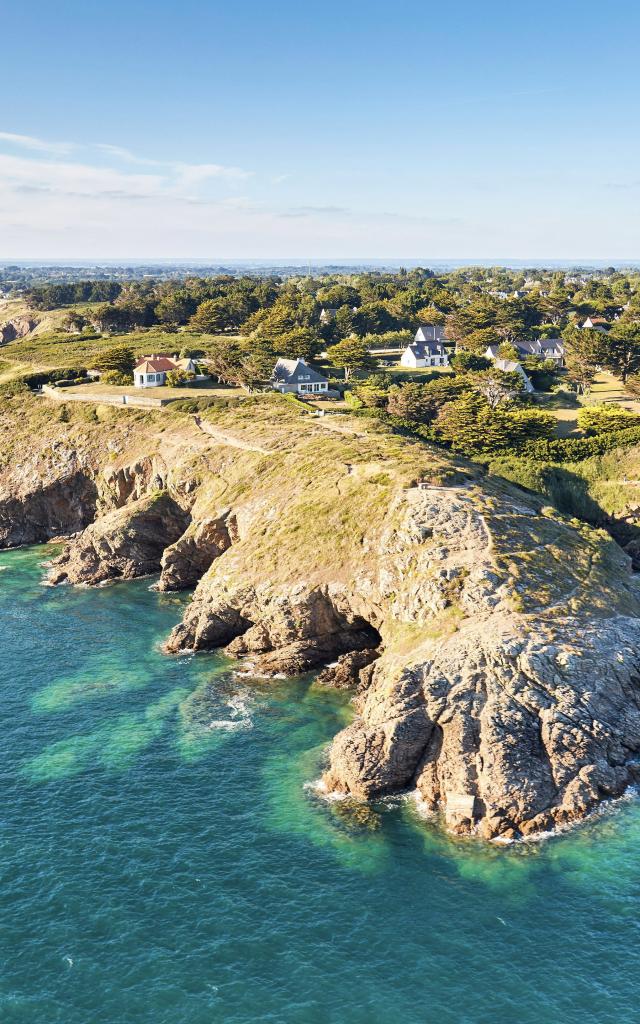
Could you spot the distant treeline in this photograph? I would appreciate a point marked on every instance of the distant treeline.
(52, 296)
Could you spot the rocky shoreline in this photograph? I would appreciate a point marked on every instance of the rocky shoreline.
(493, 646)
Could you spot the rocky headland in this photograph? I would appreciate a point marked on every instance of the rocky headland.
(492, 644)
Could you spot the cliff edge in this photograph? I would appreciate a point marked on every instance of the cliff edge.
(493, 644)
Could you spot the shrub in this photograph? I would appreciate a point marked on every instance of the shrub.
(178, 378)
(13, 389)
(36, 380)
(115, 377)
(572, 449)
(601, 419)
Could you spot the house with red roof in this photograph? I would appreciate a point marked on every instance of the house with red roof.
(151, 371)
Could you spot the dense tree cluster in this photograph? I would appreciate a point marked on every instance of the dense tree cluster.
(51, 296)
(244, 323)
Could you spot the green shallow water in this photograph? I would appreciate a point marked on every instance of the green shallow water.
(161, 861)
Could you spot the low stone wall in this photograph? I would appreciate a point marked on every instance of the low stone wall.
(135, 401)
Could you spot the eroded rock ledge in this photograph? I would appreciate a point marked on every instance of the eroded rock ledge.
(124, 544)
(500, 673)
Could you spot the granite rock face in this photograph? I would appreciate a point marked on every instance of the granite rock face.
(60, 507)
(186, 561)
(501, 734)
(493, 645)
(19, 327)
(495, 648)
(123, 544)
(527, 714)
(278, 633)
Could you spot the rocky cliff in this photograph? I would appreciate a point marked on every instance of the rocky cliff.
(19, 327)
(493, 645)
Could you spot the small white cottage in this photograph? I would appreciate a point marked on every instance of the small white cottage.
(511, 366)
(424, 353)
(151, 371)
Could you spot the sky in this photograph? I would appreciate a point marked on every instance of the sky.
(306, 130)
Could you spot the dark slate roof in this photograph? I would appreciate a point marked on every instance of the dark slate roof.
(422, 349)
(540, 346)
(291, 371)
(432, 332)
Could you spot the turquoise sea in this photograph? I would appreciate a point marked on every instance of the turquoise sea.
(162, 862)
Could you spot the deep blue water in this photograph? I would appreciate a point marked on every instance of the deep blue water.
(161, 861)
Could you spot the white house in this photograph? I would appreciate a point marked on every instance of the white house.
(511, 366)
(424, 353)
(151, 371)
(596, 323)
(542, 348)
(508, 366)
(430, 332)
(295, 377)
(328, 314)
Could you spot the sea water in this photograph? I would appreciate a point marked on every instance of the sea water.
(164, 859)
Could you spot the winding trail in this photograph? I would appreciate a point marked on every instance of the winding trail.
(222, 438)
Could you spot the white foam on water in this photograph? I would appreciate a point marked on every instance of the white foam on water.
(319, 788)
(239, 714)
(226, 724)
(604, 809)
(422, 808)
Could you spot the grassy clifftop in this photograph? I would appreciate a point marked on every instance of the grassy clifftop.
(318, 492)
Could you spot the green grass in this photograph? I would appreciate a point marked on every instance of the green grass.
(57, 349)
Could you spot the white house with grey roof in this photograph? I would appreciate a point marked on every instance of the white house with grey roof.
(541, 348)
(509, 366)
(424, 353)
(296, 377)
(328, 314)
(427, 348)
(430, 332)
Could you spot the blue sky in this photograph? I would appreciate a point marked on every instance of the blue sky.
(320, 130)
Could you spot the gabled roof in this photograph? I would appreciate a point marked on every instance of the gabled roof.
(431, 332)
(551, 344)
(422, 349)
(531, 348)
(511, 366)
(155, 364)
(290, 371)
(508, 366)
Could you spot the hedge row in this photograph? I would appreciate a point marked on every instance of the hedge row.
(36, 380)
(570, 449)
(575, 449)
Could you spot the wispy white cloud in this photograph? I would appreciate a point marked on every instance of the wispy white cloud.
(32, 143)
(58, 177)
(45, 169)
(194, 174)
(185, 173)
(315, 211)
(120, 153)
